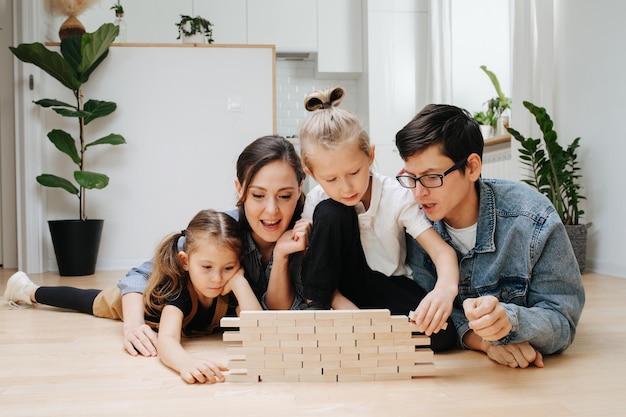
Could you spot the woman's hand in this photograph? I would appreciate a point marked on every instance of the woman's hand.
(202, 371)
(294, 240)
(140, 339)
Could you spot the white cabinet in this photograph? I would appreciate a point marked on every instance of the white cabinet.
(339, 36)
(291, 25)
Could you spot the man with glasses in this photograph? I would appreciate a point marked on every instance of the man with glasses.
(520, 289)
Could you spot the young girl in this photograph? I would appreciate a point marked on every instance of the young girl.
(187, 291)
(270, 200)
(356, 255)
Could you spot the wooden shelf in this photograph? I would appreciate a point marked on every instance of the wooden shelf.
(497, 140)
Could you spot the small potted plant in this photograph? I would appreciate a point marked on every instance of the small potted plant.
(76, 242)
(119, 21)
(498, 105)
(119, 9)
(487, 121)
(194, 29)
(554, 172)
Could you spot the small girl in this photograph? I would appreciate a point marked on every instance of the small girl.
(194, 272)
(357, 250)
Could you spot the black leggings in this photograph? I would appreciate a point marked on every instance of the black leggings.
(335, 260)
(67, 297)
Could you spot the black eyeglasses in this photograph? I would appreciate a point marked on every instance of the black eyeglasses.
(428, 180)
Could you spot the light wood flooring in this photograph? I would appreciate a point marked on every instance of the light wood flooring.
(60, 363)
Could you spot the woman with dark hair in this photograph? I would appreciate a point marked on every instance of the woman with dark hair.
(270, 199)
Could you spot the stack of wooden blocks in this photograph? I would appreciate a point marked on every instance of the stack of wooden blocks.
(325, 345)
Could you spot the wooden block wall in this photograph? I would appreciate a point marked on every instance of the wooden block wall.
(325, 345)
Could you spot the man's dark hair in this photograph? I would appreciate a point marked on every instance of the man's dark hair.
(451, 128)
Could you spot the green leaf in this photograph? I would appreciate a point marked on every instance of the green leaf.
(70, 113)
(48, 102)
(112, 139)
(96, 109)
(95, 46)
(49, 61)
(504, 101)
(65, 143)
(49, 180)
(91, 180)
(70, 49)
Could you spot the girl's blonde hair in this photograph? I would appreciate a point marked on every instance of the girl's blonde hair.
(329, 125)
(168, 276)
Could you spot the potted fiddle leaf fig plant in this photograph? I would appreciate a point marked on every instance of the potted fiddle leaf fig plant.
(194, 29)
(554, 172)
(76, 242)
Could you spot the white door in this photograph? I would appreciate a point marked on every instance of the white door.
(8, 229)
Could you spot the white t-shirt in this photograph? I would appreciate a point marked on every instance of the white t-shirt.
(464, 239)
(393, 210)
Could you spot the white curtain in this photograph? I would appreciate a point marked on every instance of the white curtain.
(439, 76)
(532, 60)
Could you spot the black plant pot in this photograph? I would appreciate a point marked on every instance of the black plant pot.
(76, 244)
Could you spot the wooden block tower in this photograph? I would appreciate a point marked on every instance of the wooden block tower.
(325, 345)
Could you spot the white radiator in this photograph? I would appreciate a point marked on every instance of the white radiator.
(498, 164)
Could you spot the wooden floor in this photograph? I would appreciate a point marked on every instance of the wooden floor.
(59, 363)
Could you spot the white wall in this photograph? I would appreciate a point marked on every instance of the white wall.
(182, 141)
(589, 101)
(589, 94)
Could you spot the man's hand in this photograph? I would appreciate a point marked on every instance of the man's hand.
(517, 355)
(487, 318)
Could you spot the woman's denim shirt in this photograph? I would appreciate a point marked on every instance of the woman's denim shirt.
(524, 258)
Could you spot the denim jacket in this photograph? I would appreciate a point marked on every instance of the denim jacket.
(524, 258)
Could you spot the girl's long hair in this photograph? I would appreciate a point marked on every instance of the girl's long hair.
(329, 125)
(168, 278)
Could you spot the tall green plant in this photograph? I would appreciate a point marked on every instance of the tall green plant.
(79, 57)
(554, 170)
(497, 105)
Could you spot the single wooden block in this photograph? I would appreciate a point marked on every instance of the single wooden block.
(279, 378)
(318, 378)
(371, 313)
(333, 314)
(243, 378)
(229, 322)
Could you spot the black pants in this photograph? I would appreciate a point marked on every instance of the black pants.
(335, 260)
(67, 297)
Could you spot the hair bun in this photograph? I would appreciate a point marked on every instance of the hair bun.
(313, 103)
(324, 99)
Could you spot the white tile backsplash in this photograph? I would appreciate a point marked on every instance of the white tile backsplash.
(294, 81)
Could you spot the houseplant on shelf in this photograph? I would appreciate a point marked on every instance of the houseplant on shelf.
(554, 171)
(76, 242)
(194, 29)
(498, 105)
(486, 119)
